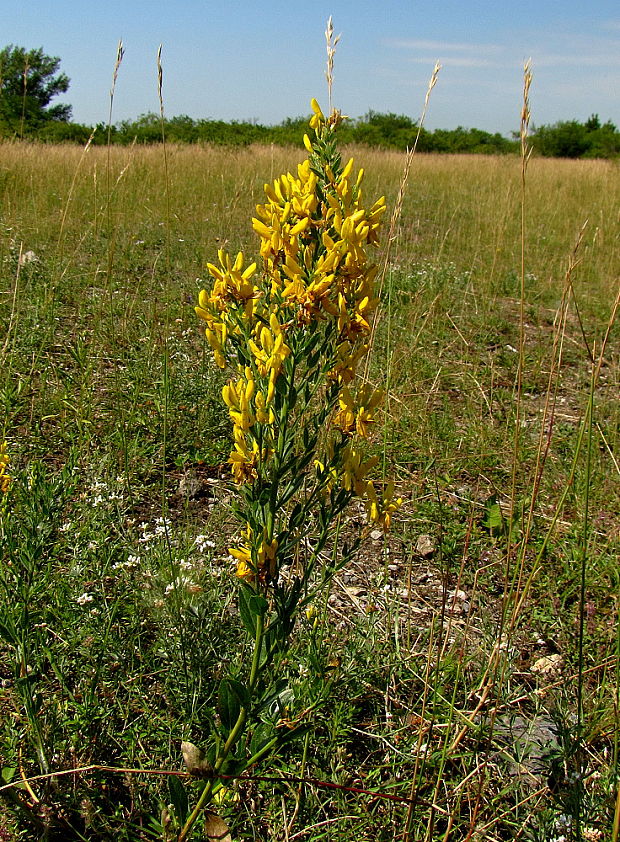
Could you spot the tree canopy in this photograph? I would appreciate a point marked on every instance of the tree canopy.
(571, 139)
(29, 81)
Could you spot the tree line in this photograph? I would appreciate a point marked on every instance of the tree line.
(29, 80)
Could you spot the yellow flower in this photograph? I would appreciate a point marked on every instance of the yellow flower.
(312, 299)
(380, 510)
(346, 361)
(287, 215)
(245, 568)
(237, 396)
(326, 474)
(269, 349)
(356, 414)
(264, 413)
(355, 470)
(367, 400)
(232, 283)
(315, 291)
(318, 119)
(255, 562)
(5, 477)
(345, 417)
(243, 459)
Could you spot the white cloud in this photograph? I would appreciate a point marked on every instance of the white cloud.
(451, 53)
(576, 72)
(441, 46)
(456, 61)
(576, 59)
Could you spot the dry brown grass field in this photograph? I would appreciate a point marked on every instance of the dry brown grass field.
(461, 209)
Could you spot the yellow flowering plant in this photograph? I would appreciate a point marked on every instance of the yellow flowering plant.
(292, 328)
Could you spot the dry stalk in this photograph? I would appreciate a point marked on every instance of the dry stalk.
(332, 42)
(398, 207)
(547, 421)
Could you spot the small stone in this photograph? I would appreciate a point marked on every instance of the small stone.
(189, 486)
(425, 546)
(376, 534)
(355, 592)
(548, 664)
(27, 257)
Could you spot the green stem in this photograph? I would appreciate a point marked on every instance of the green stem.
(233, 736)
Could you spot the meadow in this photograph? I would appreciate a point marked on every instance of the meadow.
(466, 662)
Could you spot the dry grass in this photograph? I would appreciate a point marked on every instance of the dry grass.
(462, 210)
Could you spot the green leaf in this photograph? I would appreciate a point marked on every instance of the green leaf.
(258, 605)
(281, 385)
(232, 697)
(233, 766)
(251, 606)
(248, 618)
(8, 773)
(263, 734)
(287, 735)
(228, 705)
(305, 460)
(289, 491)
(8, 634)
(296, 518)
(275, 697)
(312, 359)
(178, 798)
(494, 520)
(310, 345)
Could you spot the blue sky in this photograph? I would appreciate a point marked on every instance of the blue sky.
(263, 61)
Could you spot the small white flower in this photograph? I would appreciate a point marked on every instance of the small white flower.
(131, 563)
(84, 599)
(202, 543)
(183, 582)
